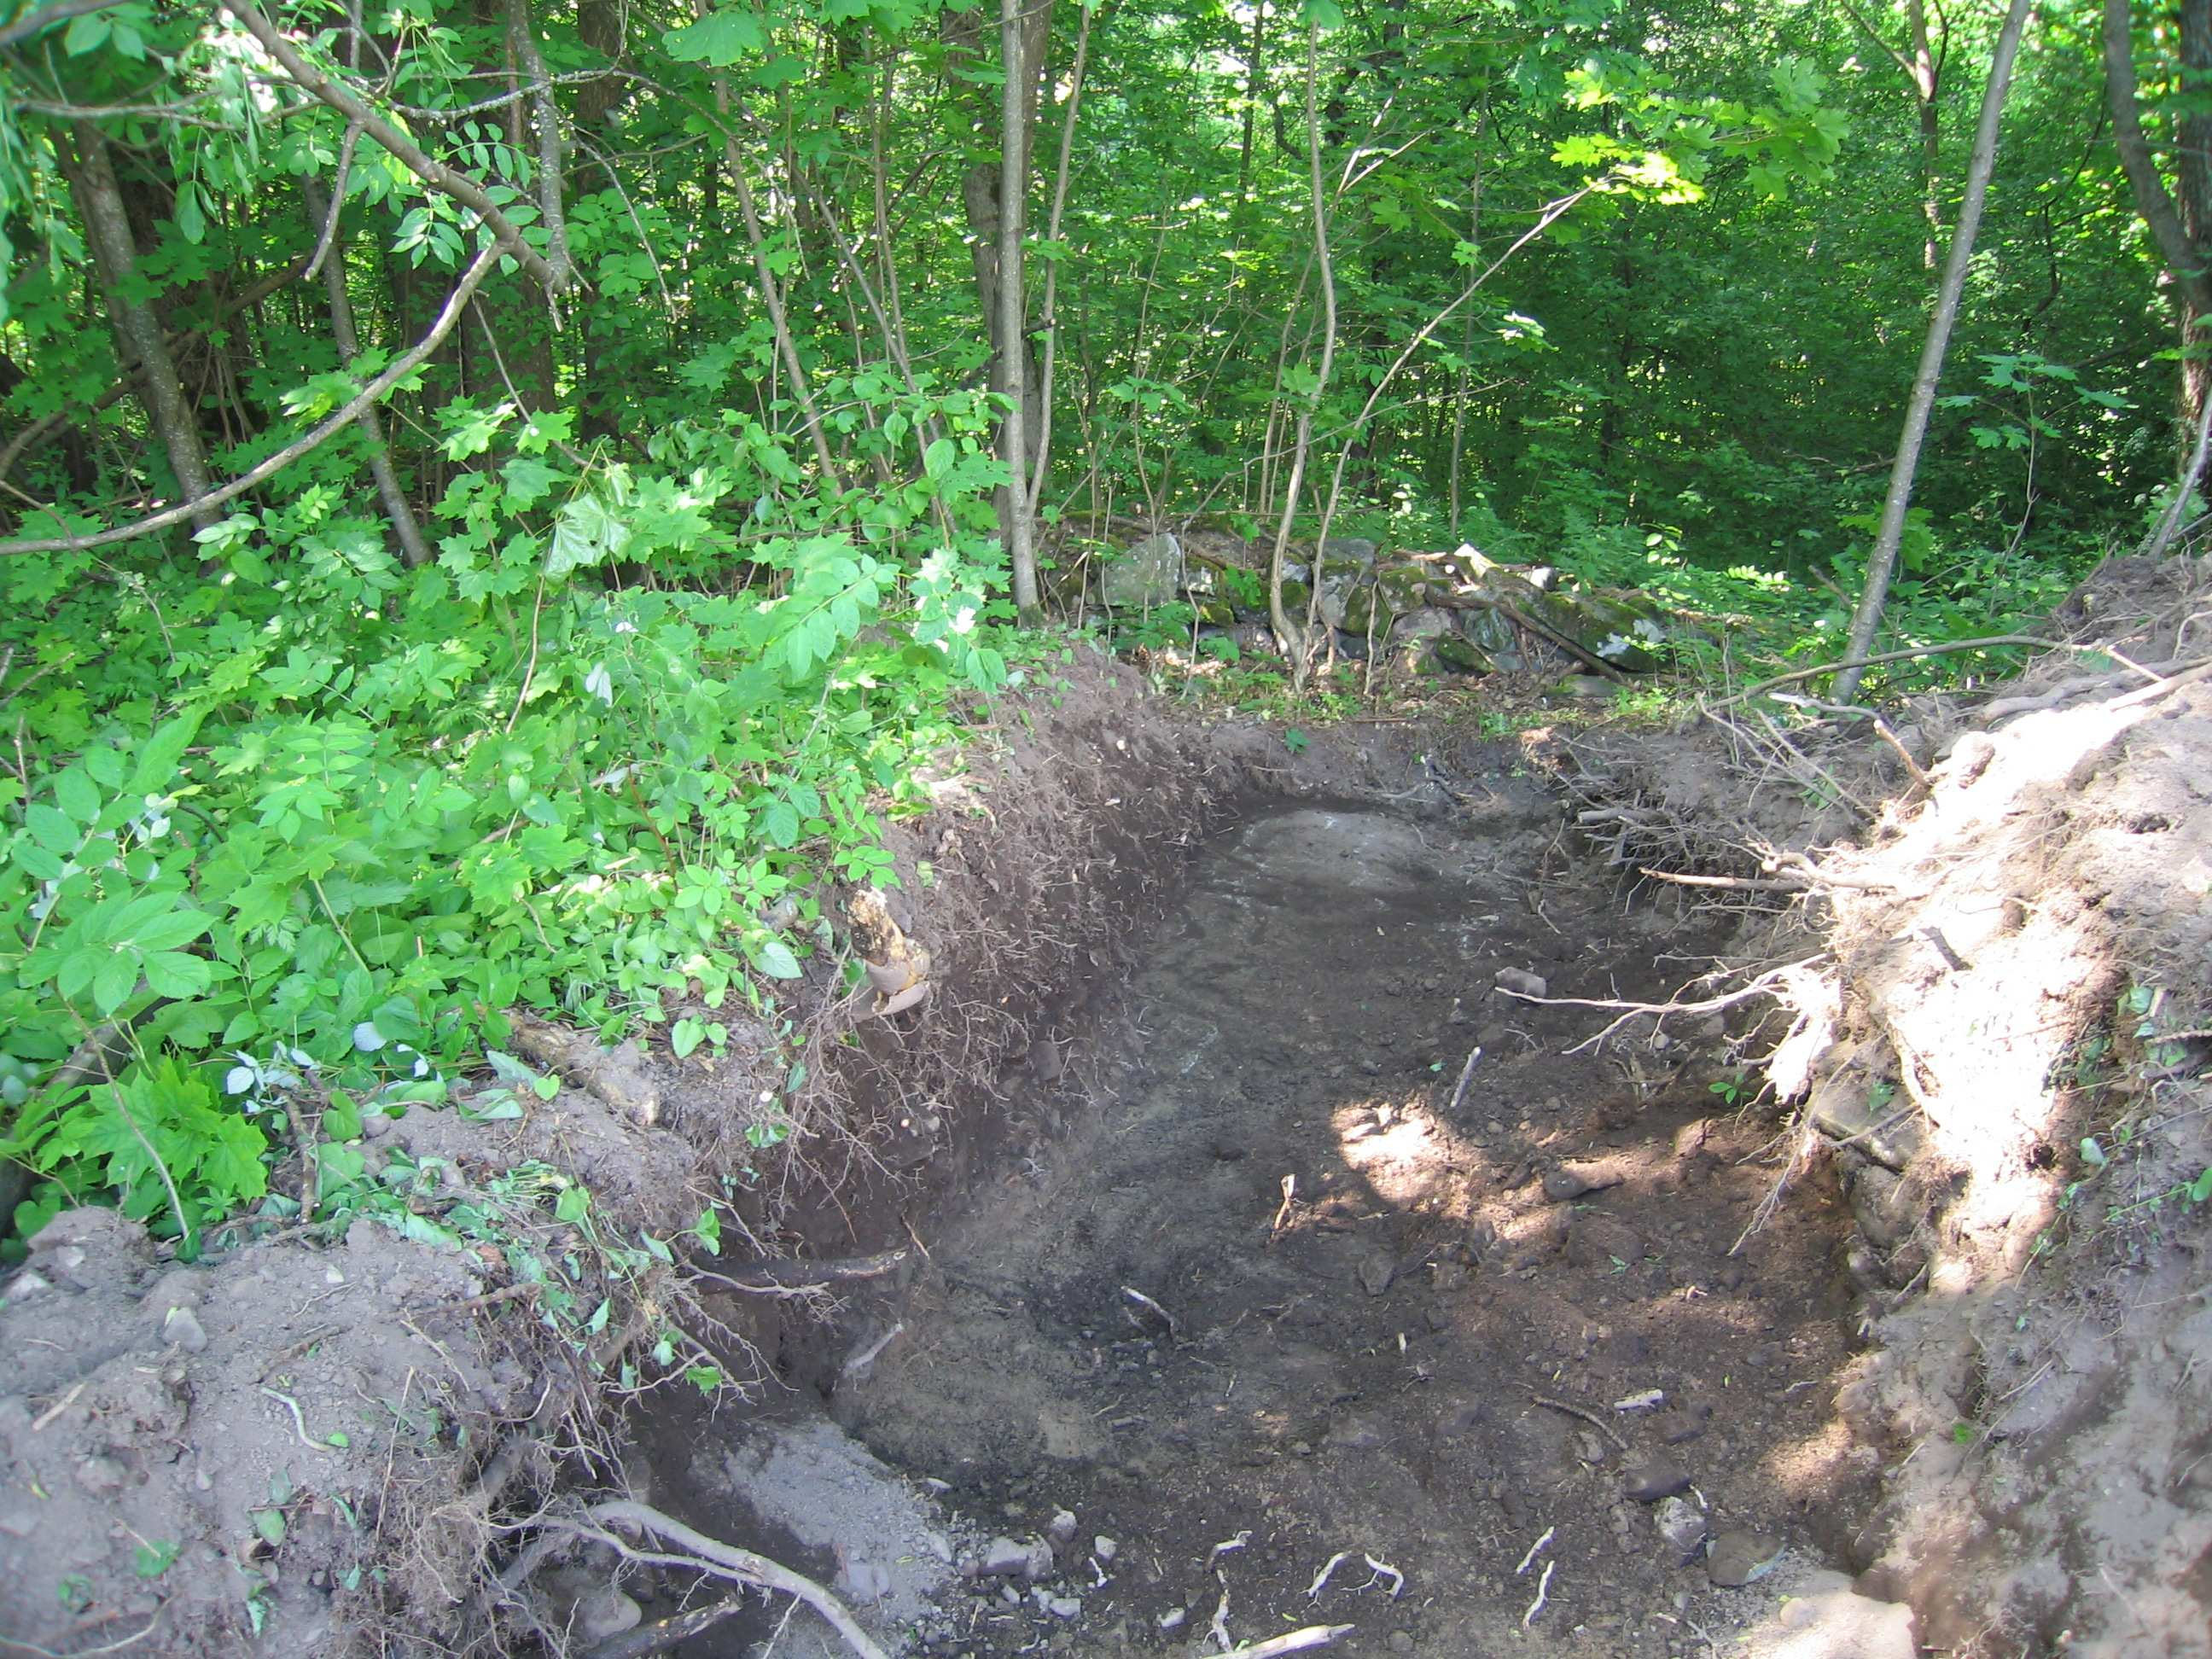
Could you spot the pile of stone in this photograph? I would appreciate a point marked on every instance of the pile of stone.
(1461, 612)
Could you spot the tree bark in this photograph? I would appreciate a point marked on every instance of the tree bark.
(1014, 309)
(1292, 640)
(2185, 259)
(1255, 74)
(1881, 563)
(138, 330)
(1041, 456)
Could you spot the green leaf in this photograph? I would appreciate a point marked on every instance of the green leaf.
(171, 930)
(51, 827)
(685, 1035)
(162, 753)
(342, 1117)
(269, 1524)
(231, 1162)
(77, 795)
(718, 39)
(113, 982)
(174, 974)
(780, 821)
(937, 459)
(572, 1205)
(774, 958)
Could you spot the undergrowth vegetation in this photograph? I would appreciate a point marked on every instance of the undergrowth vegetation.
(292, 808)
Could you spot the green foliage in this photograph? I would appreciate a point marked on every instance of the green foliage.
(395, 803)
(290, 818)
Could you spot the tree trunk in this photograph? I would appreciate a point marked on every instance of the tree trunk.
(404, 528)
(1255, 74)
(138, 329)
(1925, 76)
(1882, 562)
(1014, 448)
(2178, 230)
(1293, 639)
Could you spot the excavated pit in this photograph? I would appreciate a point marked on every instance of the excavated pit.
(1254, 1281)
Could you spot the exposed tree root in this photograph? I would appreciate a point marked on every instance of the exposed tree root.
(607, 1523)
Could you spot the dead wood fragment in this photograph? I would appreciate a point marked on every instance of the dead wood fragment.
(617, 1076)
(664, 1633)
(1587, 1416)
(1296, 1641)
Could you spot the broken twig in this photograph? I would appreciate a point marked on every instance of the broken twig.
(1296, 1641)
(1144, 1301)
(1465, 1072)
(1543, 1594)
(1587, 1416)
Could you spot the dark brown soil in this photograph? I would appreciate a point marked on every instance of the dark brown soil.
(1368, 1287)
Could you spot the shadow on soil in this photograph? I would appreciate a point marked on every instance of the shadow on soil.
(1254, 1282)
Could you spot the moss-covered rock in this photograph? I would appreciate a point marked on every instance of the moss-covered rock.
(1459, 655)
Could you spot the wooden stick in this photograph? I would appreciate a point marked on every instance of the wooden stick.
(1740, 884)
(1465, 1072)
(1587, 1416)
(1297, 1641)
(664, 1633)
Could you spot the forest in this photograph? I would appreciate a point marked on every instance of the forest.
(500, 498)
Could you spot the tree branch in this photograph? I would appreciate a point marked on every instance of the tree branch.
(2152, 201)
(456, 303)
(24, 27)
(425, 167)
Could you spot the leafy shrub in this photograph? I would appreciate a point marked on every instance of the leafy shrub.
(380, 805)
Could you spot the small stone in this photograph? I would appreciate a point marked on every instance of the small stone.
(1063, 1607)
(1523, 984)
(1401, 1641)
(1377, 1271)
(1683, 1424)
(1002, 1558)
(1655, 1476)
(181, 1330)
(103, 1477)
(1061, 1528)
(1039, 1563)
(1354, 1431)
(1681, 1525)
(1562, 1185)
(1173, 1617)
(867, 1581)
(19, 1520)
(1741, 1557)
(606, 1612)
(1104, 1547)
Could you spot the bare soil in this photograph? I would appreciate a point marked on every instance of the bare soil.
(1266, 1283)
(1218, 1259)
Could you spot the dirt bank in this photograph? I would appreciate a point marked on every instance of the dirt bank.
(1226, 1191)
(1341, 1252)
